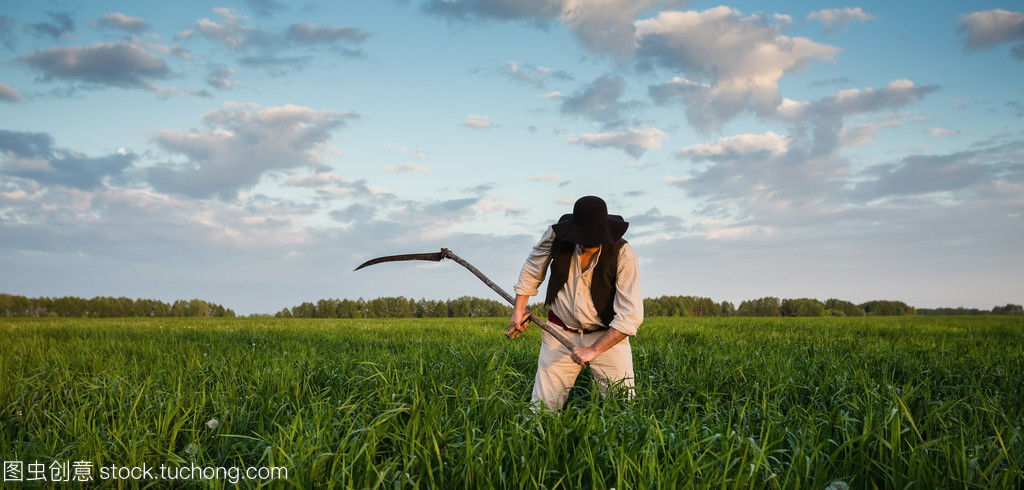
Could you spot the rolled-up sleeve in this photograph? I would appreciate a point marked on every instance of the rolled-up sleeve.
(536, 266)
(629, 303)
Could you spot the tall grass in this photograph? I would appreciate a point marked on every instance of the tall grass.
(727, 403)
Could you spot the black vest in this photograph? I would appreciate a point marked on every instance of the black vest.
(602, 285)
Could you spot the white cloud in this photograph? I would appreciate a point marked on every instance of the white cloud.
(819, 125)
(896, 94)
(605, 26)
(9, 94)
(989, 28)
(475, 121)
(545, 178)
(773, 176)
(405, 167)
(319, 179)
(309, 33)
(743, 144)
(633, 141)
(969, 175)
(838, 19)
(599, 101)
(117, 20)
(609, 26)
(732, 63)
(863, 134)
(242, 142)
(500, 204)
(791, 110)
(222, 78)
(720, 230)
(343, 188)
(34, 157)
(428, 221)
(62, 25)
(119, 65)
(940, 133)
(537, 76)
(230, 31)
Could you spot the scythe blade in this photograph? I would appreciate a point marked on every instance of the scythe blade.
(434, 257)
(448, 254)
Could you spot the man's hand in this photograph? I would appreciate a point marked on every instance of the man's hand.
(519, 321)
(583, 355)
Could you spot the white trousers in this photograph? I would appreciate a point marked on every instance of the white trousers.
(556, 373)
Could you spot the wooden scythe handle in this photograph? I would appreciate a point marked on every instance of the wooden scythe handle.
(555, 331)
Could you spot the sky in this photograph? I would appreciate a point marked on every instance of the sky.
(253, 153)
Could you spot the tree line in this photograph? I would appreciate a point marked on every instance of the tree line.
(401, 307)
(398, 307)
(771, 306)
(1009, 309)
(466, 306)
(108, 307)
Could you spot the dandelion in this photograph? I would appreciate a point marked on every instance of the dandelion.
(213, 423)
(192, 449)
(838, 485)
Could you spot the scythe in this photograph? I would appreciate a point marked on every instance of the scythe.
(448, 254)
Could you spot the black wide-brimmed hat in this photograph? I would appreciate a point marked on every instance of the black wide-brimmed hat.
(590, 224)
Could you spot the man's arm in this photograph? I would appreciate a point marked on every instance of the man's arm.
(530, 278)
(583, 355)
(520, 320)
(629, 302)
(629, 309)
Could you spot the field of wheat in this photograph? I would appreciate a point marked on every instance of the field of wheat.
(731, 403)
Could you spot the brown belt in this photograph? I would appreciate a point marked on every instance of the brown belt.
(553, 319)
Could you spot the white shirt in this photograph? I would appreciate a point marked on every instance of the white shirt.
(573, 304)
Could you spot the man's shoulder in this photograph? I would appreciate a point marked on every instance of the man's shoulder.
(623, 244)
(626, 251)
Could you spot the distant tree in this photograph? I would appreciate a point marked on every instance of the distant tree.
(767, 306)
(70, 307)
(459, 308)
(834, 306)
(327, 308)
(401, 307)
(887, 308)
(105, 307)
(440, 309)
(652, 307)
(179, 308)
(958, 311)
(304, 310)
(728, 309)
(197, 307)
(11, 305)
(348, 309)
(1009, 309)
(802, 307)
(376, 308)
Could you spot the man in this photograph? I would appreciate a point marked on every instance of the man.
(593, 294)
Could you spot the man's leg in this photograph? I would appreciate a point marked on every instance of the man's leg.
(613, 369)
(556, 374)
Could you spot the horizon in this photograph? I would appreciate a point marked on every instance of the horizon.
(734, 306)
(252, 153)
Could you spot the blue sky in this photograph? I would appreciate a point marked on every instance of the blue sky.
(253, 153)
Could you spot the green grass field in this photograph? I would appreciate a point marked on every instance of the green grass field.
(889, 402)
